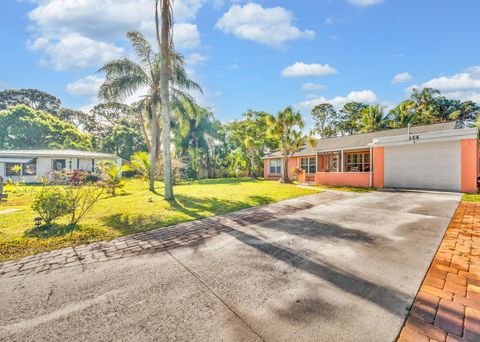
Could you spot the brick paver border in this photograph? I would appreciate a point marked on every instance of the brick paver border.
(447, 306)
(162, 239)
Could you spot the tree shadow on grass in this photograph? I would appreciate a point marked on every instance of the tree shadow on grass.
(217, 181)
(48, 231)
(193, 208)
(130, 224)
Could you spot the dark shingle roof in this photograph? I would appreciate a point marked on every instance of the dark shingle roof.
(362, 140)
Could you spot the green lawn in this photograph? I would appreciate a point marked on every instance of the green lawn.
(471, 198)
(134, 209)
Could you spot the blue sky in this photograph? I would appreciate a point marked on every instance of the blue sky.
(261, 55)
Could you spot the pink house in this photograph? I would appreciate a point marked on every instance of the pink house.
(439, 157)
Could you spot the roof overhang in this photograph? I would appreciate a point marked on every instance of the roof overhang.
(16, 160)
(421, 138)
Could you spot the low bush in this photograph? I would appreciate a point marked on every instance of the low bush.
(51, 204)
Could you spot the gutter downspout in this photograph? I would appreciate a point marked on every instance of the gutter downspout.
(371, 165)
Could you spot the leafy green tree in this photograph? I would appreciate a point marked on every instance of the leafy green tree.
(402, 115)
(373, 119)
(194, 130)
(286, 128)
(22, 127)
(32, 98)
(349, 118)
(248, 136)
(124, 140)
(326, 120)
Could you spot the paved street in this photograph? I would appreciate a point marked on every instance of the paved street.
(328, 267)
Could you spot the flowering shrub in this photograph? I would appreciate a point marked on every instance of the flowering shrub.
(296, 171)
(76, 177)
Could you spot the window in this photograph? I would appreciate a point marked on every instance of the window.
(275, 166)
(14, 169)
(29, 169)
(59, 164)
(358, 162)
(309, 164)
(22, 169)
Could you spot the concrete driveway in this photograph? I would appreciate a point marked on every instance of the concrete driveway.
(345, 269)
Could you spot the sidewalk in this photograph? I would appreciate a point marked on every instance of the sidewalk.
(447, 307)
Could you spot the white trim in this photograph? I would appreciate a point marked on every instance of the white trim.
(345, 149)
(420, 138)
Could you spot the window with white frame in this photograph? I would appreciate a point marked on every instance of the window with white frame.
(309, 164)
(275, 166)
(21, 169)
(358, 162)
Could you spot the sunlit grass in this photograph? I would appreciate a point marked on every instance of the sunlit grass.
(471, 198)
(134, 209)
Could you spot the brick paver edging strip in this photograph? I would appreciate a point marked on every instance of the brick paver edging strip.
(447, 306)
(161, 239)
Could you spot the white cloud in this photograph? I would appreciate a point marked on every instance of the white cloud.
(195, 58)
(401, 78)
(270, 26)
(364, 96)
(87, 86)
(329, 20)
(186, 36)
(365, 3)
(312, 86)
(74, 51)
(86, 25)
(464, 86)
(300, 69)
(463, 95)
(462, 81)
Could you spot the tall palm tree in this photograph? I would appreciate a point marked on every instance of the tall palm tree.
(286, 128)
(166, 50)
(403, 115)
(124, 77)
(373, 119)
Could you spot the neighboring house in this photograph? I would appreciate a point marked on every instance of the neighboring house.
(440, 156)
(30, 165)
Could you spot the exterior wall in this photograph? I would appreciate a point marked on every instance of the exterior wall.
(292, 162)
(469, 163)
(378, 167)
(44, 167)
(360, 179)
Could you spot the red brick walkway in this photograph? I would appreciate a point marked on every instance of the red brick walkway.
(447, 307)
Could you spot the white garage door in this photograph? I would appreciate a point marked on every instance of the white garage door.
(424, 166)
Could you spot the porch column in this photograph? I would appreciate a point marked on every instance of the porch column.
(341, 161)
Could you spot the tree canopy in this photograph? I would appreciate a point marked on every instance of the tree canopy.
(23, 127)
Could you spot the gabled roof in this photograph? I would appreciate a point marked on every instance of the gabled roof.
(364, 139)
(56, 154)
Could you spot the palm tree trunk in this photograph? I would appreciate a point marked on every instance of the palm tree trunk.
(144, 131)
(165, 50)
(153, 149)
(284, 178)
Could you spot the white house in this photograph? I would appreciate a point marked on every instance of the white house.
(29, 165)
